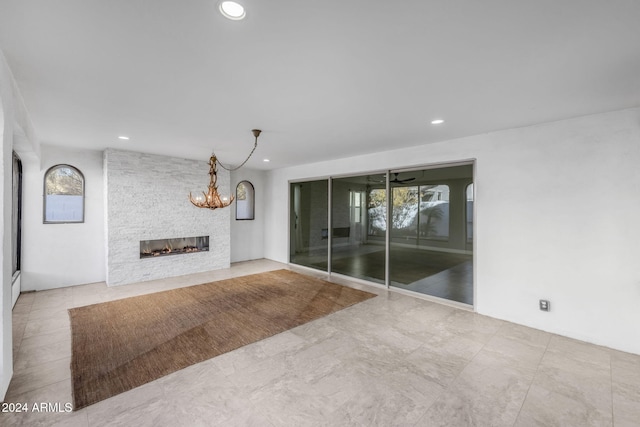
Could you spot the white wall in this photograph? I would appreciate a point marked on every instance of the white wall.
(147, 199)
(6, 133)
(556, 218)
(59, 255)
(247, 237)
(16, 132)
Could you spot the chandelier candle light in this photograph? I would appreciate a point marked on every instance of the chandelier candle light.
(212, 199)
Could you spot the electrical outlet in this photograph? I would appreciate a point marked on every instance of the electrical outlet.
(545, 305)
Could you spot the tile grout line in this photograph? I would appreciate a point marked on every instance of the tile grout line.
(255, 409)
(53, 331)
(38, 388)
(466, 364)
(546, 348)
(21, 371)
(613, 420)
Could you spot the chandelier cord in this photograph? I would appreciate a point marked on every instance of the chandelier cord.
(256, 134)
(231, 169)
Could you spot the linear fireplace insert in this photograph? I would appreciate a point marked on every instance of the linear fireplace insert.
(175, 246)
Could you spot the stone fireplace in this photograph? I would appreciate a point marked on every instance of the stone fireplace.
(147, 213)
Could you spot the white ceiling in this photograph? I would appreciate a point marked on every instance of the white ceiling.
(322, 79)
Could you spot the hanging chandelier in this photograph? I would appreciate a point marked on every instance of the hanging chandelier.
(212, 199)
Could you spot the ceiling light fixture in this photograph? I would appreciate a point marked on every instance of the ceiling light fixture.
(232, 10)
(126, 138)
(266, 160)
(212, 199)
(437, 122)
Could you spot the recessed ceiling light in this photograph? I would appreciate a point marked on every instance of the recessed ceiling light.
(232, 10)
(437, 122)
(126, 138)
(266, 160)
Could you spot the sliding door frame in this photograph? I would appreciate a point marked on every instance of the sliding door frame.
(387, 234)
(330, 224)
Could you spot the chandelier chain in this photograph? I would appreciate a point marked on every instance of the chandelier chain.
(231, 169)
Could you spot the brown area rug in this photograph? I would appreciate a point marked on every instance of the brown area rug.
(122, 344)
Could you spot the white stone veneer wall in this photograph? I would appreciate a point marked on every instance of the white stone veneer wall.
(146, 197)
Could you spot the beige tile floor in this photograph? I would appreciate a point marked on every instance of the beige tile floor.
(391, 360)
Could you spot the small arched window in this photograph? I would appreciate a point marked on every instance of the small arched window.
(63, 195)
(245, 201)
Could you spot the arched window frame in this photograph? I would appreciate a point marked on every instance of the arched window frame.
(250, 198)
(52, 169)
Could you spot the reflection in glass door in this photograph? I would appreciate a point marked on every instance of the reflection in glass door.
(430, 251)
(309, 205)
(358, 215)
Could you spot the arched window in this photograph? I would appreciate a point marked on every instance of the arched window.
(63, 195)
(245, 200)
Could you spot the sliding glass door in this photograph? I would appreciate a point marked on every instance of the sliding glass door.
(309, 224)
(429, 251)
(358, 215)
(409, 229)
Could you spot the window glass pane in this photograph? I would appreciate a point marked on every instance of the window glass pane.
(64, 195)
(420, 212)
(241, 192)
(428, 247)
(309, 209)
(64, 181)
(434, 212)
(356, 206)
(358, 248)
(377, 212)
(404, 213)
(245, 201)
